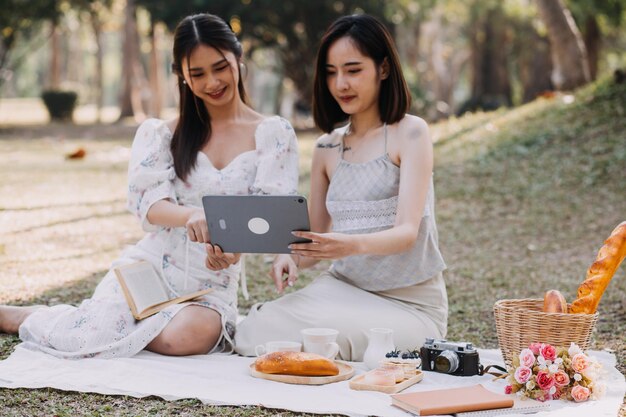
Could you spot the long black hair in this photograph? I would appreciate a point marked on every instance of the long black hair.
(373, 40)
(194, 123)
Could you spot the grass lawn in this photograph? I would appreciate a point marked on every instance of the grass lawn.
(525, 198)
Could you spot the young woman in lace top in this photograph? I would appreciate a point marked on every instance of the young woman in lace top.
(371, 208)
(217, 145)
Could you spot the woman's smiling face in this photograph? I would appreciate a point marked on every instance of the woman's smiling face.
(353, 79)
(212, 75)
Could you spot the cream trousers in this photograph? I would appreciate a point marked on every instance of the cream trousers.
(414, 313)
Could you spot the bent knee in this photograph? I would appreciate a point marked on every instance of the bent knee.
(195, 337)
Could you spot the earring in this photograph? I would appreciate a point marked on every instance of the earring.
(185, 82)
(243, 70)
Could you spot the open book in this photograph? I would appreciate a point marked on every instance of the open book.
(451, 400)
(145, 291)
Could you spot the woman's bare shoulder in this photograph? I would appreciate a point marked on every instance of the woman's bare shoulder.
(330, 140)
(412, 127)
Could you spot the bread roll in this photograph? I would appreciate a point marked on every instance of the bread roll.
(601, 271)
(554, 302)
(296, 363)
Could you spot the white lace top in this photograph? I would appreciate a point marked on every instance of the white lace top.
(363, 198)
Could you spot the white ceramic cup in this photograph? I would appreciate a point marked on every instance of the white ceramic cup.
(321, 341)
(278, 346)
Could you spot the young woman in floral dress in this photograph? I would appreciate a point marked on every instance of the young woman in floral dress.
(217, 145)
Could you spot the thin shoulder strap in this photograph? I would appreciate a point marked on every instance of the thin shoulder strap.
(385, 133)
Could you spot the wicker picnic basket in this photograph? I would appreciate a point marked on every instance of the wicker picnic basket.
(522, 322)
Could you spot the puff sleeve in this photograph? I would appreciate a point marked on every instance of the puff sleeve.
(151, 172)
(277, 169)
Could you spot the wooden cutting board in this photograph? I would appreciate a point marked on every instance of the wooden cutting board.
(345, 372)
(357, 384)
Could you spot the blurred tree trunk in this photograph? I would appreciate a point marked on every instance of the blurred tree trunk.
(443, 64)
(408, 41)
(535, 64)
(132, 72)
(569, 56)
(593, 42)
(491, 87)
(155, 73)
(96, 25)
(54, 82)
(300, 74)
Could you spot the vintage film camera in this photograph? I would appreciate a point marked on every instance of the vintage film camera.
(454, 358)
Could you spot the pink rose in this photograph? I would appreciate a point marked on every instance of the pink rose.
(557, 394)
(522, 374)
(580, 362)
(527, 358)
(508, 389)
(545, 380)
(535, 347)
(561, 378)
(548, 352)
(580, 393)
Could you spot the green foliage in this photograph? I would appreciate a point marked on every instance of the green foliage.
(613, 10)
(21, 17)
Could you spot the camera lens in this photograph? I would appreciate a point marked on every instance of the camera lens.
(301, 200)
(447, 362)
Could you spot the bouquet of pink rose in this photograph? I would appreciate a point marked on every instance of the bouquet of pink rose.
(543, 372)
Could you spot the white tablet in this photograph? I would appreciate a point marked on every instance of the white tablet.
(255, 223)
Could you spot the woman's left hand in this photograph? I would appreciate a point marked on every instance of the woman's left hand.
(325, 245)
(217, 260)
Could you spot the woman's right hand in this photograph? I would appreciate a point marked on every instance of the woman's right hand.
(284, 264)
(197, 229)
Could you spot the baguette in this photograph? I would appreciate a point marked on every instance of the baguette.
(600, 272)
(296, 363)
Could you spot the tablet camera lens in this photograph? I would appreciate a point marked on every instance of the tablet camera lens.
(301, 200)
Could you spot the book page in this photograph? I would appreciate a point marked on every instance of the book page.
(520, 406)
(144, 285)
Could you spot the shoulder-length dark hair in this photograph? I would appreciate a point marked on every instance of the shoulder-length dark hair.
(194, 123)
(372, 39)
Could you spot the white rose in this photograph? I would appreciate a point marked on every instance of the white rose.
(553, 368)
(573, 350)
(577, 377)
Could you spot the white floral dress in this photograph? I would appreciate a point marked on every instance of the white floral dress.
(103, 325)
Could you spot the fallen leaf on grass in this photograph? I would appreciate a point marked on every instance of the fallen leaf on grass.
(77, 154)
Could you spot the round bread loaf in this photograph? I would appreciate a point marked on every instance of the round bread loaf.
(554, 302)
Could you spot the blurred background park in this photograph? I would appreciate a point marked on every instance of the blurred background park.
(111, 58)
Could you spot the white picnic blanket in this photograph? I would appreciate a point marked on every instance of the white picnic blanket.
(225, 380)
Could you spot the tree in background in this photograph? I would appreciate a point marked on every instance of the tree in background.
(588, 14)
(133, 74)
(19, 18)
(490, 42)
(97, 12)
(569, 54)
